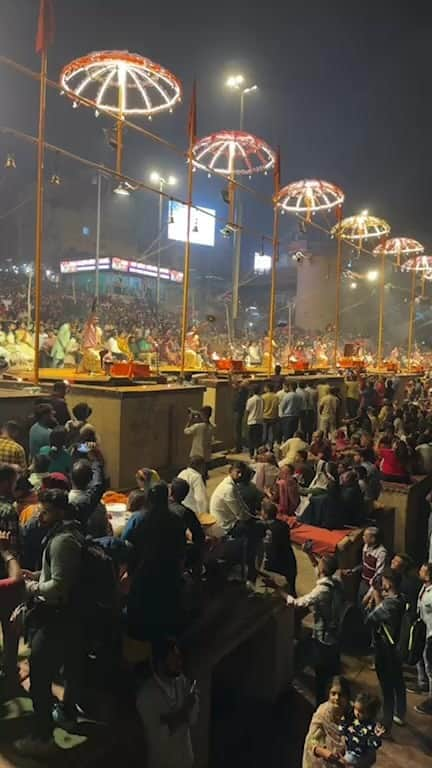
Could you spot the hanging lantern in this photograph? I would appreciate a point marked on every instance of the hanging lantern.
(10, 163)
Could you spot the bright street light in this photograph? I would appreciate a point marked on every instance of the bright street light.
(156, 178)
(122, 189)
(372, 276)
(162, 182)
(353, 286)
(235, 81)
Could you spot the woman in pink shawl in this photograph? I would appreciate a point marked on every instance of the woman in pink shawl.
(266, 470)
(287, 495)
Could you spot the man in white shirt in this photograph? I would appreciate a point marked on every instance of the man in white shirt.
(233, 516)
(197, 499)
(200, 428)
(168, 705)
(424, 666)
(255, 420)
(424, 455)
(113, 347)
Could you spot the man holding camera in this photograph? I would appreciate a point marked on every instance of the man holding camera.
(200, 428)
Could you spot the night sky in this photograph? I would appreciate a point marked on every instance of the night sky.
(344, 86)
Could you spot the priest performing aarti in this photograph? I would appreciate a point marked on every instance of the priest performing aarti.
(92, 346)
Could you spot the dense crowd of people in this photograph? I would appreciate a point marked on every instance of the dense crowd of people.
(131, 328)
(79, 589)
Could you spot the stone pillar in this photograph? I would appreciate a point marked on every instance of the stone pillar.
(316, 291)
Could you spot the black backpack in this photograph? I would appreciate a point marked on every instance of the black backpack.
(95, 597)
(412, 637)
(339, 608)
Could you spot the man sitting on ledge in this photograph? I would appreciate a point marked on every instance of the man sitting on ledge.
(233, 516)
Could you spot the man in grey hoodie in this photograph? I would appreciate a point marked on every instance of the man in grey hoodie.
(55, 629)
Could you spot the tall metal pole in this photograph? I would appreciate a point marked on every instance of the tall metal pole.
(120, 125)
(98, 231)
(29, 294)
(237, 237)
(381, 311)
(290, 309)
(412, 317)
(338, 294)
(275, 259)
(40, 208)
(158, 284)
(187, 252)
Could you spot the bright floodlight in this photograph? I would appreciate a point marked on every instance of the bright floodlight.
(122, 190)
(353, 286)
(156, 178)
(372, 276)
(235, 81)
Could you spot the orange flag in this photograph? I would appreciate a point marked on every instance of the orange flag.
(46, 26)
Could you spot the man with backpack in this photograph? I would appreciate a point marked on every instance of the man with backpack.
(385, 621)
(52, 624)
(424, 666)
(327, 602)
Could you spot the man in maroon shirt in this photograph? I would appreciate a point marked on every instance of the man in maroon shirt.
(11, 593)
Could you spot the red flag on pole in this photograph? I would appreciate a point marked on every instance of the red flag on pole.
(192, 127)
(46, 26)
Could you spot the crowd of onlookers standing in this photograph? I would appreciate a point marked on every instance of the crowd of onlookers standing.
(78, 590)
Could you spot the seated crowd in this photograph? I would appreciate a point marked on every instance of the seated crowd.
(85, 594)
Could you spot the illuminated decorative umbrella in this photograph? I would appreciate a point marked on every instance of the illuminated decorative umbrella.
(125, 83)
(399, 246)
(416, 265)
(361, 227)
(356, 229)
(233, 153)
(310, 196)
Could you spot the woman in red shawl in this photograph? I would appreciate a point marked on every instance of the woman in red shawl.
(286, 493)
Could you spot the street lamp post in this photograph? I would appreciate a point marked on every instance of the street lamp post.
(236, 83)
(98, 232)
(291, 308)
(29, 272)
(170, 181)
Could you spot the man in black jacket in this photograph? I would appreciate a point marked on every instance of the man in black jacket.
(240, 397)
(278, 553)
(194, 550)
(385, 620)
(88, 485)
